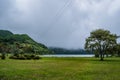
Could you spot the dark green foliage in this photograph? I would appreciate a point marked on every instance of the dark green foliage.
(16, 54)
(36, 58)
(116, 50)
(101, 42)
(13, 57)
(22, 57)
(3, 56)
(25, 57)
(20, 43)
(68, 51)
(32, 56)
(5, 33)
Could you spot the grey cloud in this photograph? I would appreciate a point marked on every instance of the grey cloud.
(4, 7)
(55, 24)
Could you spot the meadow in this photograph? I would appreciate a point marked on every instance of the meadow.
(60, 69)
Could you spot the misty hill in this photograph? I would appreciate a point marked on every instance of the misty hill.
(20, 43)
(68, 51)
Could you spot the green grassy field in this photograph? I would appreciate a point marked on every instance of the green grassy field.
(60, 69)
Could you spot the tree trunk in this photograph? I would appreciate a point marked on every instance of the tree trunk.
(101, 54)
(101, 59)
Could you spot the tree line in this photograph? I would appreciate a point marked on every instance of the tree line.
(58, 50)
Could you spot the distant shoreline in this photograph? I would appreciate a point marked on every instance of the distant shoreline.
(68, 55)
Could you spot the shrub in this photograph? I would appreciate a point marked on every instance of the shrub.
(16, 54)
(3, 56)
(25, 57)
(13, 57)
(36, 58)
(22, 57)
(32, 56)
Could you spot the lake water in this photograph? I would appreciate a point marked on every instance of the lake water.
(70, 55)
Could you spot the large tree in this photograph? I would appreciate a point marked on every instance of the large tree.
(100, 41)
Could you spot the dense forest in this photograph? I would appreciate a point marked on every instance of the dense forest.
(20, 43)
(68, 51)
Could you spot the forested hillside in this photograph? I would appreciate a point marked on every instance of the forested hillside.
(20, 43)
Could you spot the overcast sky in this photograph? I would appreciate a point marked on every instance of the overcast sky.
(60, 23)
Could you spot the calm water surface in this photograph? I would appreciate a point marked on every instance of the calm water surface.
(70, 55)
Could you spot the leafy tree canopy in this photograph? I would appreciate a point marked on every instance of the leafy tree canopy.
(100, 41)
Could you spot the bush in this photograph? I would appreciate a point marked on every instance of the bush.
(3, 56)
(36, 58)
(25, 57)
(16, 54)
(32, 56)
(22, 57)
(13, 57)
(97, 55)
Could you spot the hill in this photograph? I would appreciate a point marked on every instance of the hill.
(20, 43)
(5, 33)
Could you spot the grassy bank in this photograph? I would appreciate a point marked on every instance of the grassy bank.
(60, 69)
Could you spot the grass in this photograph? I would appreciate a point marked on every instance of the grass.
(60, 69)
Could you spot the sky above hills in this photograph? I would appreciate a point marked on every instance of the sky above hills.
(60, 23)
